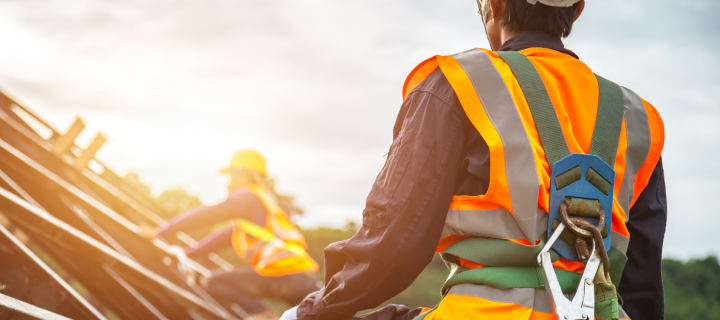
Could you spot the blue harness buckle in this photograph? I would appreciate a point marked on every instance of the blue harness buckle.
(582, 187)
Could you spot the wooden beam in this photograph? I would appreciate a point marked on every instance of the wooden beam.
(98, 251)
(11, 308)
(65, 142)
(44, 281)
(89, 153)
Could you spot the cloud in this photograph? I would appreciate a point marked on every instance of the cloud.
(178, 86)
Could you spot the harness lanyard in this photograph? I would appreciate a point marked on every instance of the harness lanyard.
(605, 139)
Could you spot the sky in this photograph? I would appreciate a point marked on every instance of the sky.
(178, 86)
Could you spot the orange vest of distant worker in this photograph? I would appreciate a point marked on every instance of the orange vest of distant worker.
(516, 204)
(273, 250)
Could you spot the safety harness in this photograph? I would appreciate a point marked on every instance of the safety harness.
(580, 214)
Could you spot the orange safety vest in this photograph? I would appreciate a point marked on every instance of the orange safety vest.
(516, 204)
(275, 249)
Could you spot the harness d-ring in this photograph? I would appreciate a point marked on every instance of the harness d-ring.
(573, 223)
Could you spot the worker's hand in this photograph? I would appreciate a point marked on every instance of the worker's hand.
(147, 231)
(290, 314)
(186, 270)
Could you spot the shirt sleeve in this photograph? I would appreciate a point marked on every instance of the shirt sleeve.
(641, 286)
(403, 218)
(220, 239)
(239, 204)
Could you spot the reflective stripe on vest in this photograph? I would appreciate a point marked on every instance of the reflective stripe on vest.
(276, 249)
(638, 145)
(515, 205)
(522, 178)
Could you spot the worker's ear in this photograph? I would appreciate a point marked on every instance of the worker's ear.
(497, 8)
(579, 9)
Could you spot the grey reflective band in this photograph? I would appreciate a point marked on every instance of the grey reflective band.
(519, 157)
(619, 241)
(623, 314)
(489, 223)
(638, 146)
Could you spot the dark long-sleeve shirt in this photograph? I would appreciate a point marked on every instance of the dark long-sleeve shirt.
(437, 153)
(241, 204)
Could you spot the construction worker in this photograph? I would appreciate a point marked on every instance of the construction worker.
(261, 234)
(474, 172)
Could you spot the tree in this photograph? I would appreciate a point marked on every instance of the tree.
(692, 289)
(133, 180)
(286, 202)
(176, 201)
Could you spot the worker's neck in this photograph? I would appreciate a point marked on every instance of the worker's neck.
(506, 35)
(237, 186)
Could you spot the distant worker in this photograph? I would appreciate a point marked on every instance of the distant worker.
(261, 233)
(493, 152)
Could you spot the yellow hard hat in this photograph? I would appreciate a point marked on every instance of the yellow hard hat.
(246, 159)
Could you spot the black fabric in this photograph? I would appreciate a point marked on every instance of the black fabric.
(641, 287)
(535, 39)
(436, 153)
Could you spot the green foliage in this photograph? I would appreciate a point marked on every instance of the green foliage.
(319, 238)
(424, 292)
(133, 180)
(285, 201)
(176, 201)
(173, 202)
(692, 289)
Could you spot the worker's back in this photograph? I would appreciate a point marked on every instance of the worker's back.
(514, 211)
(276, 247)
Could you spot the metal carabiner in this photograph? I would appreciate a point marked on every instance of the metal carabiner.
(582, 306)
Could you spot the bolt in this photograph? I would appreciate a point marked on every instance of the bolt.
(588, 281)
(584, 316)
(567, 317)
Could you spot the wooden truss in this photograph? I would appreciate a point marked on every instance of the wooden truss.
(69, 238)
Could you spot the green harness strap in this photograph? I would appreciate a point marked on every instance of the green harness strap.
(543, 113)
(500, 275)
(513, 265)
(611, 109)
(610, 112)
(494, 252)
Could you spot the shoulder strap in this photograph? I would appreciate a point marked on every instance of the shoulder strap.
(610, 112)
(541, 107)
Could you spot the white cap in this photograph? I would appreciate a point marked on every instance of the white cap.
(555, 3)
